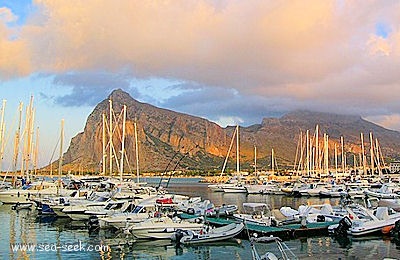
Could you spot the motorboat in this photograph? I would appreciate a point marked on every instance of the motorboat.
(20, 206)
(225, 210)
(196, 206)
(376, 223)
(161, 227)
(29, 191)
(386, 191)
(216, 187)
(314, 189)
(238, 188)
(151, 207)
(84, 210)
(311, 213)
(255, 213)
(333, 192)
(298, 189)
(190, 237)
(111, 208)
(121, 220)
(366, 223)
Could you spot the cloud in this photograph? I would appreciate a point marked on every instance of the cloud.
(226, 106)
(323, 55)
(387, 121)
(88, 88)
(14, 53)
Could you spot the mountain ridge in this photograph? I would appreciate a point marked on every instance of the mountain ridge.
(165, 135)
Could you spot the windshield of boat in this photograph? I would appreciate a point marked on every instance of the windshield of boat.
(114, 205)
(255, 208)
(137, 209)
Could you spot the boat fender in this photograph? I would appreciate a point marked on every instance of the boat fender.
(303, 221)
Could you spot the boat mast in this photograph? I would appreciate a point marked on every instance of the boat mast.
(2, 131)
(308, 153)
(137, 152)
(36, 153)
(16, 143)
(237, 149)
(377, 152)
(110, 137)
(272, 161)
(255, 160)
(300, 166)
(122, 144)
(336, 161)
(342, 146)
(363, 154)
(227, 155)
(60, 160)
(104, 146)
(28, 138)
(326, 154)
(317, 165)
(371, 149)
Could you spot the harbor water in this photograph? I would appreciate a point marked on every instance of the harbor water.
(26, 235)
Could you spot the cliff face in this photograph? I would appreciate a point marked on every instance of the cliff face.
(166, 136)
(161, 134)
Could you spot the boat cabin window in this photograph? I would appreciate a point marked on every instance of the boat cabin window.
(114, 206)
(138, 209)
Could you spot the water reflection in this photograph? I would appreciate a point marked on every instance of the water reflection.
(29, 227)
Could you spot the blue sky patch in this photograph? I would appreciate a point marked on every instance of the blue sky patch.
(20, 8)
(382, 30)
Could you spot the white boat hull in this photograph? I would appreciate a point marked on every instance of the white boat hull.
(235, 190)
(162, 228)
(216, 235)
(12, 198)
(161, 232)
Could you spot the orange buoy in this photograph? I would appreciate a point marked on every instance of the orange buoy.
(387, 229)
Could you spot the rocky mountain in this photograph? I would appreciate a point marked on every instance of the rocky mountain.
(169, 140)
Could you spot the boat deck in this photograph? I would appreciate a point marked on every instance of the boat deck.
(284, 231)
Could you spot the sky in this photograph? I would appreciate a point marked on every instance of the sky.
(230, 61)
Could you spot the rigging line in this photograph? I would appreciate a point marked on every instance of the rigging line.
(176, 165)
(169, 163)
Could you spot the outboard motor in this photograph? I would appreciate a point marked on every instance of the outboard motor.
(343, 227)
(396, 229)
(93, 223)
(320, 218)
(177, 236)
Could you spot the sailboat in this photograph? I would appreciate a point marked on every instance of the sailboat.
(29, 188)
(237, 186)
(219, 187)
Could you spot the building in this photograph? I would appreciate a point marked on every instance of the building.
(395, 167)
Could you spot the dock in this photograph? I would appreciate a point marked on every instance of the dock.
(288, 231)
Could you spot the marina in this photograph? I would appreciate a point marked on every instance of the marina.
(203, 129)
(28, 225)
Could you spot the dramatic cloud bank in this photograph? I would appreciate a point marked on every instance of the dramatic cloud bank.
(237, 60)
